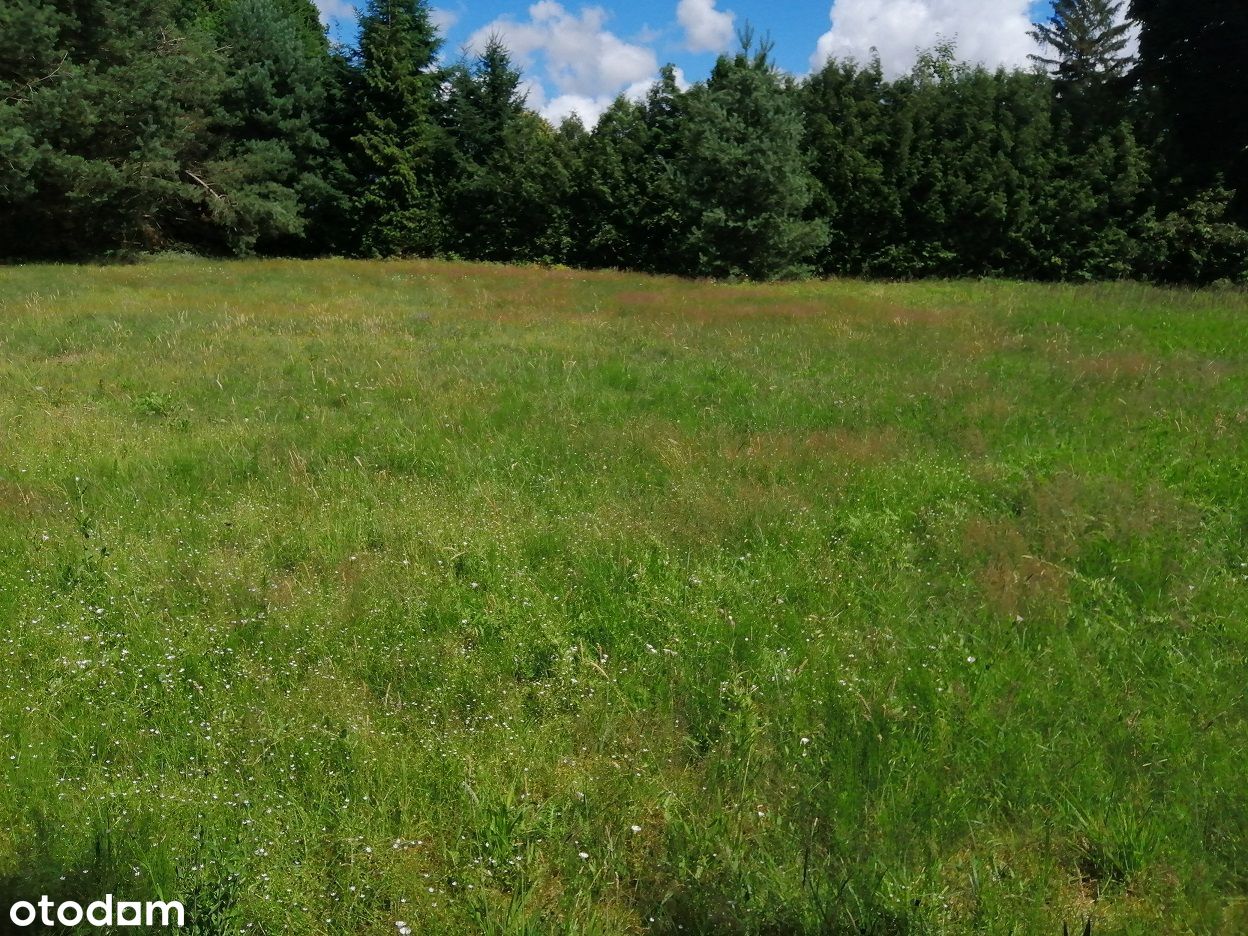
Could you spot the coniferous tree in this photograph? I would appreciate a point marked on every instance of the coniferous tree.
(975, 147)
(1194, 63)
(746, 185)
(29, 62)
(507, 191)
(855, 137)
(270, 161)
(1090, 63)
(108, 139)
(610, 190)
(398, 145)
(629, 193)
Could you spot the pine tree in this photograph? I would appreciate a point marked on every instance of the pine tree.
(746, 183)
(103, 126)
(30, 64)
(485, 98)
(270, 162)
(398, 145)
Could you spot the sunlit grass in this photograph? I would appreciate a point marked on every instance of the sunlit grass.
(339, 595)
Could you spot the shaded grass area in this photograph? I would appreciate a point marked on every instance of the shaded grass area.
(503, 600)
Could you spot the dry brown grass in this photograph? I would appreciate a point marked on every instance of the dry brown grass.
(1013, 581)
(1116, 365)
(22, 502)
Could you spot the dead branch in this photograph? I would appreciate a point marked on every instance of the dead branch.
(207, 188)
(29, 88)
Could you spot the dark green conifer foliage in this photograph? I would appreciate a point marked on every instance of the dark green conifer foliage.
(629, 193)
(29, 62)
(233, 126)
(103, 129)
(398, 144)
(745, 177)
(992, 141)
(1090, 63)
(1194, 63)
(507, 190)
(610, 189)
(856, 138)
(1096, 194)
(485, 99)
(271, 164)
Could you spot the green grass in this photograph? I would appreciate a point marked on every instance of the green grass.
(514, 601)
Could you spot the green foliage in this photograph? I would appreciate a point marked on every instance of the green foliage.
(271, 164)
(101, 126)
(233, 126)
(975, 157)
(1091, 206)
(745, 185)
(853, 126)
(1196, 243)
(1090, 39)
(398, 145)
(1192, 55)
(628, 193)
(510, 181)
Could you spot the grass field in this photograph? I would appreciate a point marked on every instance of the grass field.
(337, 596)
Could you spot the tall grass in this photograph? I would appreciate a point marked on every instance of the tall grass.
(338, 597)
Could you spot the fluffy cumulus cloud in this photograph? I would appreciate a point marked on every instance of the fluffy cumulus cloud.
(707, 29)
(993, 32)
(443, 19)
(584, 63)
(336, 9)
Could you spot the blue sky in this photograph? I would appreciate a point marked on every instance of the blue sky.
(577, 56)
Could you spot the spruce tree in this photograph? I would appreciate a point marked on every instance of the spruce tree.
(398, 144)
(1089, 41)
(745, 178)
(507, 193)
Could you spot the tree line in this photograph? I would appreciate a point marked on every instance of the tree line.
(235, 127)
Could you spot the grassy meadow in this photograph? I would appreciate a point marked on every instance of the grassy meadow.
(346, 597)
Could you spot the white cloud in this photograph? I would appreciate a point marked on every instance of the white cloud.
(443, 19)
(706, 28)
(335, 9)
(991, 32)
(591, 109)
(585, 64)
